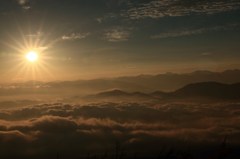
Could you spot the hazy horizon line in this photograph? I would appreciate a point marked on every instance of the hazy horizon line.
(126, 76)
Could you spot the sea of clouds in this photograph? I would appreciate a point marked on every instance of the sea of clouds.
(68, 130)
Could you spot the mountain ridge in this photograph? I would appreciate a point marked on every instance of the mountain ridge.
(167, 82)
(210, 90)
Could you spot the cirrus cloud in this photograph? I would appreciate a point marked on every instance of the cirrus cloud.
(172, 8)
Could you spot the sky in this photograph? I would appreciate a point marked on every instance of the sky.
(85, 39)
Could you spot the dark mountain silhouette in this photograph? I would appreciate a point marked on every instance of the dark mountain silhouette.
(204, 90)
(112, 93)
(119, 93)
(173, 81)
(150, 83)
(209, 90)
(167, 82)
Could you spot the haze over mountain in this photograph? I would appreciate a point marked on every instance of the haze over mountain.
(173, 81)
(120, 79)
(141, 111)
(200, 91)
(143, 83)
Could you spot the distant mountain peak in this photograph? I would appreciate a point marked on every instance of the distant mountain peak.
(114, 92)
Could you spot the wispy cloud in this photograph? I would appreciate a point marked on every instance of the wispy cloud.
(24, 4)
(172, 34)
(75, 36)
(189, 32)
(172, 8)
(36, 35)
(117, 34)
(206, 54)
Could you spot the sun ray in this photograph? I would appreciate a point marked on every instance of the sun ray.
(30, 56)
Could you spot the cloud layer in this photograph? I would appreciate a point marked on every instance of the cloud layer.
(49, 129)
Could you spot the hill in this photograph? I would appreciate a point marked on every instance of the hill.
(202, 90)
(209, 90)
(167, 82)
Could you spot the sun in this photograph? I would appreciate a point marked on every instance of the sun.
(32, 56)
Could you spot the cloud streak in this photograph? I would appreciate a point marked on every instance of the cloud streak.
(75, 36)
(158, 9)
(117, 35)
(24, 4)
(189, 32)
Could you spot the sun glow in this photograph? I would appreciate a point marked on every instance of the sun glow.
(32, 56)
